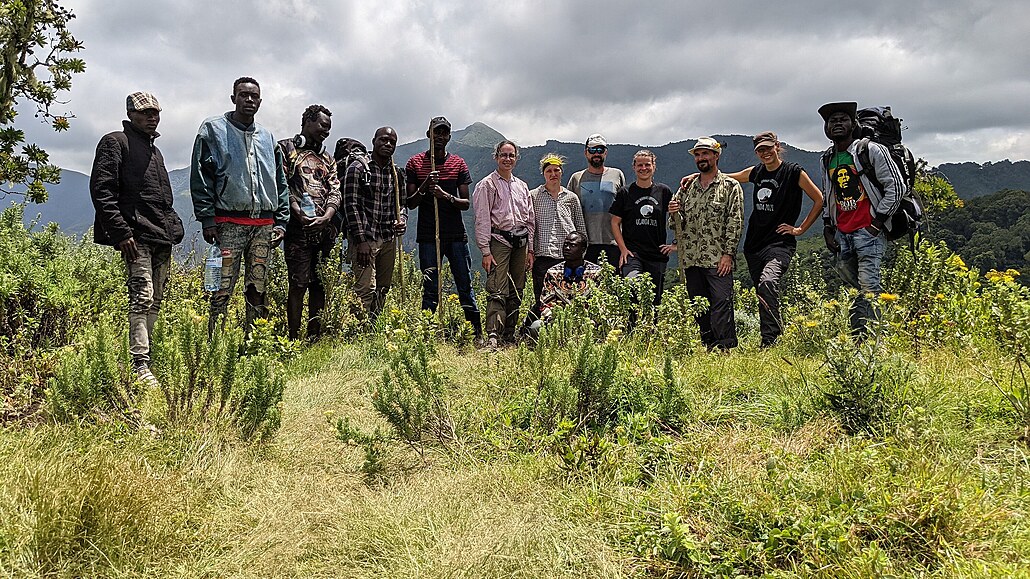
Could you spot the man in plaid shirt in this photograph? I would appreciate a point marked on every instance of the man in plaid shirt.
(370, 194)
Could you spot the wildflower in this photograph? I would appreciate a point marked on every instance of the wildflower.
(613, 336)
(811, 323)
(885, 297)
(831, 304)
(1000, 277)
(939, 297)
(956, 264)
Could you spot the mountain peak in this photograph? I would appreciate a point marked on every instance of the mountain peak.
(478, 135)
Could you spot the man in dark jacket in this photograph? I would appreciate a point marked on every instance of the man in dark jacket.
(133, 200)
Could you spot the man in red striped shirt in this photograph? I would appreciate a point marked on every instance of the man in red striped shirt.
(449, 186)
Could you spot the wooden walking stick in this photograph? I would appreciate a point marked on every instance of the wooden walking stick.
(677, 223)
(436, 220)
(399, 262)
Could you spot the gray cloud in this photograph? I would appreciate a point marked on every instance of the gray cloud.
(640, 72)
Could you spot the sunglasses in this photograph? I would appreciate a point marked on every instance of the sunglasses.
(598, 150)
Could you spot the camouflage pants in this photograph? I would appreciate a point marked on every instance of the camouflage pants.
(247, 245)
(146, 279)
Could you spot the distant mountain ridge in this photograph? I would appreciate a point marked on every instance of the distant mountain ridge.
(70, 205)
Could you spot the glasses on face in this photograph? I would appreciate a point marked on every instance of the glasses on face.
(506, 155)
(598, 150)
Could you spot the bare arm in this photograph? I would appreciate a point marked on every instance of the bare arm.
(813, 192)
(742, 176)
(461, 200)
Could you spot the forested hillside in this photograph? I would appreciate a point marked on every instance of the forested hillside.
(990, 232)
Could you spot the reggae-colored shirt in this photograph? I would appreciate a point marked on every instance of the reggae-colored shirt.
(853, 205)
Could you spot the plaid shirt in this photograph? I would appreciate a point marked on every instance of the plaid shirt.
(555, 220)
(370, 201)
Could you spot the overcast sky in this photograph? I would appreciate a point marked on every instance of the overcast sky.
(640, 72)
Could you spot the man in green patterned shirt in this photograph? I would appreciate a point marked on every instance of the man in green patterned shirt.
(711, 211)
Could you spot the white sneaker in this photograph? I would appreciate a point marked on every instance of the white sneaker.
(144, 375)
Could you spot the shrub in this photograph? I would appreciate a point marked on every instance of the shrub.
(410, 394)
(867, 390)
(94, 379)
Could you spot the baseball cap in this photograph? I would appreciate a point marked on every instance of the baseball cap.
(439, 122)
(851, 108)
(766, 139)
(596, 140)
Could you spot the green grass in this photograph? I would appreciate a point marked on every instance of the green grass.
(625, 455)
(760, 480)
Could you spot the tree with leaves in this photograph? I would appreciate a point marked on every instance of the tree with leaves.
(37, 67)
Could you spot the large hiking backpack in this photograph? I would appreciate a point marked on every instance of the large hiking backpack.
(879, 125)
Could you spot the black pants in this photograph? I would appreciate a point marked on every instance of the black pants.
(767, 267)
(635, 266)
(718, 329)
(541, 264)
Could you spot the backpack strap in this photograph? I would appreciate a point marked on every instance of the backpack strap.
(867, 166)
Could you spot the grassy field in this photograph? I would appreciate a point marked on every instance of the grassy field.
(404, 452)
(759, 479)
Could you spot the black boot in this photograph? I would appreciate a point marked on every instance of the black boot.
(473, 317)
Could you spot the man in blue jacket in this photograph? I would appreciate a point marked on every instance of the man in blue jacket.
(133, 201)
(240, 197)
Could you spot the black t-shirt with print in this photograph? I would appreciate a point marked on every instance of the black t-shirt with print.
(776, 198)
(643, 212)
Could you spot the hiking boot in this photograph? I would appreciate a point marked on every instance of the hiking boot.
(144, 375)
(491, 344)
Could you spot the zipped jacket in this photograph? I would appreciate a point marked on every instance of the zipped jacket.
(237, 172)
(130, 191)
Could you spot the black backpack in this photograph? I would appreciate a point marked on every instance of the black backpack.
(879, 125)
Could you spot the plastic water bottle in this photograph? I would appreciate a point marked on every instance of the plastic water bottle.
(213, 269)
(307, 206)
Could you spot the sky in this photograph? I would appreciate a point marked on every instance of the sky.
(642, 72)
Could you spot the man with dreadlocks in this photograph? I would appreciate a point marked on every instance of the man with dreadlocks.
(314, 202)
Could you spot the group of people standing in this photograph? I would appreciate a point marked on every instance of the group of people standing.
(251, 192)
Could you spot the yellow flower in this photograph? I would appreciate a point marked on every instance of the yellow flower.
(613, 336)
(999, 277)
(830, 304)
(811, 323)
(939, 296)
(955, 263)
(888, 297)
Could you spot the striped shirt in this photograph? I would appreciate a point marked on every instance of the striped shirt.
(371, 203)
(453, 174)
(555, 220)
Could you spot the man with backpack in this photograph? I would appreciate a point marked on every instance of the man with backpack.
(371, 191)
(864, 189)
(310, 232)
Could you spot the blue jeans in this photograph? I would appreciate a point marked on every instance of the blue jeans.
(858, 264)
(457, 254)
